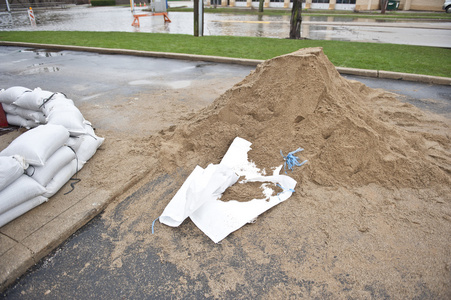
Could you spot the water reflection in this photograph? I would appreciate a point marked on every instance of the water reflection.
(86, 18)
(44, 52)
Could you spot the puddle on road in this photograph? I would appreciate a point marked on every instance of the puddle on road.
(43, 52)
(39, 69)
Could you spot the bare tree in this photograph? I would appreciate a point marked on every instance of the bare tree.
(296, 20)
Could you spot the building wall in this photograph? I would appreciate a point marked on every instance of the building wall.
(360, 5)
(427, 5)
(434, 5)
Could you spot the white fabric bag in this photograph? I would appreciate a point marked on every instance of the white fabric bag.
(21, 190)
(69, 117)
(9, 108)
(11, 94)
(11, 168)
(20, 209)
(36, 116)
(43, 174)
(199, 196)
(201, 186)
(61, 178)
(33, 100)
(19, 121)
(38, 144)
(57, 101)
(88, 146)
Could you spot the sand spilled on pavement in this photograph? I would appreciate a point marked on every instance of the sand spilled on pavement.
(371, 215)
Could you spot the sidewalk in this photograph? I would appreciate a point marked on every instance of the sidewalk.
(29, 238)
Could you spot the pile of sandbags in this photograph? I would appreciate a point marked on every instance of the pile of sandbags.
(40, 161)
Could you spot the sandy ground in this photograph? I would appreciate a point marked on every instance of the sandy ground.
(371, 215)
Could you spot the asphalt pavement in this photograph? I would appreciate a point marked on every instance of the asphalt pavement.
(80, 267)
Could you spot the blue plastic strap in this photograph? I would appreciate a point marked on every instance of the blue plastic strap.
(153, 224)
(291, 161)
(284, 189)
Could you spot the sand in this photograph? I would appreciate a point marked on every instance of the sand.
(371, 215)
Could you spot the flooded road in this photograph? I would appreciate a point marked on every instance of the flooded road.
(85, 18)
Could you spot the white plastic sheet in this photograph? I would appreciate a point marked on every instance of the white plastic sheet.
(199, 196)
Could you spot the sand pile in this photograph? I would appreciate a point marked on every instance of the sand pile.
(371, 215)
(300, 100)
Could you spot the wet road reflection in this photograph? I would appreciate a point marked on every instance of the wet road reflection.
(85, 18)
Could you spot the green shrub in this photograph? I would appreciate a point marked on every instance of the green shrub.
(103, 2)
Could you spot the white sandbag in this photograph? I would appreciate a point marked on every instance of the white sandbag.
(69, 117)
(11, 94)
(43, 174)
(9, 108)
(57, 101)
(74, 142)
(88, 146)
(38, 144)
(33, 100)
(20, 209)
(19, 121)
(36, 116)
(11, 168)
(21, 190)
(61, 178)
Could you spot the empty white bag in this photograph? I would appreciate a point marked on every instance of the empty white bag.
(199, 196)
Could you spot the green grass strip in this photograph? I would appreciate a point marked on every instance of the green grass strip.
(387, 57)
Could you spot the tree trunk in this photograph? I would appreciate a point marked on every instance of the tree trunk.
(296, 20)
(260, 5)
(196, 17)
(383, 6)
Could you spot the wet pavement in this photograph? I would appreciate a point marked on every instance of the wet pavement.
(84, 18)
(100, 79)
(124, 76)
(81, 267)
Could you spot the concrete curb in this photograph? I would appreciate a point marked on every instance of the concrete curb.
(230, 60)
(30, 249)
(395, 75)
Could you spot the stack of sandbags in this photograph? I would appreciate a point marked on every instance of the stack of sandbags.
(40, 161)
(17, 103)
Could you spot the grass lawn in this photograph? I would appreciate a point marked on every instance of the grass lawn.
(387, 57)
